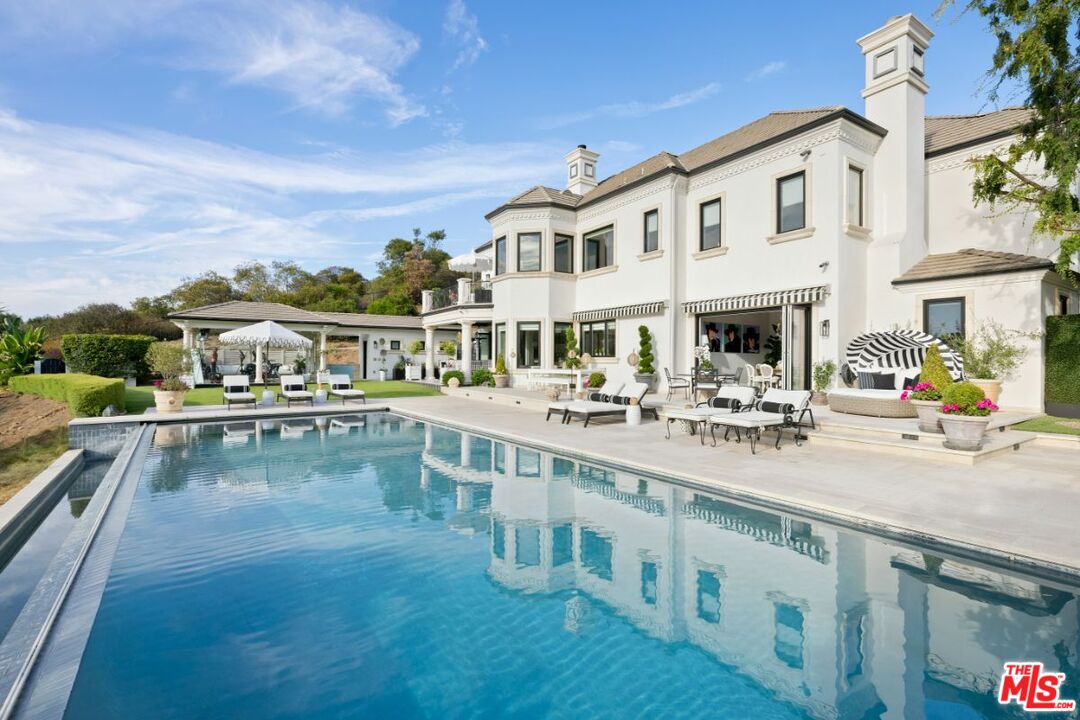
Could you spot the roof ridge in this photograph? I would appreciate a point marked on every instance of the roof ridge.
(797, 111)
(959, 116)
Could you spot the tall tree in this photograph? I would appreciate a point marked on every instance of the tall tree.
(1038, 46)
(206, 289)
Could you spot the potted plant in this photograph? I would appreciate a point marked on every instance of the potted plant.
(382, 369)
(964, 415)
(414, 372)
(927, 399)
(448, 348)
(646, 373)
(300, 364)
(823, 377)
(171, 362)
(992, 355)
(704, 357)
(501, 377)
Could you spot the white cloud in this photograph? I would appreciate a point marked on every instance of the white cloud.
(322, 56)
(462, 29)
(633, 108)
(769, 68)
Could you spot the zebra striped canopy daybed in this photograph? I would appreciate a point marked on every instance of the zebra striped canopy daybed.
(869, 361)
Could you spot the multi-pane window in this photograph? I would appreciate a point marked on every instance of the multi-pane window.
(500, 255)
(855, 196)
(600, 248)
(598, 338)
(791, 203)
(564, 254)
(710, 225)
(529, 252)
(945, 317)
(558, 344)
(528, 344)
(652, 231)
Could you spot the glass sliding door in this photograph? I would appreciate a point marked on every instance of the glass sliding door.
(796, 339)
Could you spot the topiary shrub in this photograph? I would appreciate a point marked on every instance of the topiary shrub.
(483, 378)
(1063, 359)
(966, 396)
(934, 370)
(572, 361)
(453, 374)
(107, 355)
(597, 380)
(500, 365)
(85, 395)
(645, 355)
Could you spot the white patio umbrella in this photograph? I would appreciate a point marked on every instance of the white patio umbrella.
(470, 262)
(267, 334)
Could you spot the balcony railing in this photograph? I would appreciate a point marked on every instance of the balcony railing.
(468, 292)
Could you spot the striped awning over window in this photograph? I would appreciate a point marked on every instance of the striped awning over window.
(649, 308)
(775, 298)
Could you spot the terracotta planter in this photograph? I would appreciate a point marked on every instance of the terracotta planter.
(963, 432)
(169, 401)
(928, 415)
(819, 398)
(992, 388)
(501, 381)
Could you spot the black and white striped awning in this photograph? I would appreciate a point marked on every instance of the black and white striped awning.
(775, 298)
(899, 349)
(649, 308)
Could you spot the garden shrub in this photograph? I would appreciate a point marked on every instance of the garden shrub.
(645, 355)
(597, 379)
(1063, 359)
(934, 370)
(85, 395)
(453, 374)
(107, 355)
(966, 395)
(500, 365)
(483, 378)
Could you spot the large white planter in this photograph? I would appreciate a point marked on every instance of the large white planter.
(633, 414)
(928, 415)
(963, 432)
(992, 388)
(382, 376)
(169, 401)
(320, 397)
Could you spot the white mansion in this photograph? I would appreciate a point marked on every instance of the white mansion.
(783, 239)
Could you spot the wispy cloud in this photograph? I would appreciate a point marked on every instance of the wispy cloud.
(112, 214)
(462, 29)
(321, 55)
(632, 109)
(769, 68)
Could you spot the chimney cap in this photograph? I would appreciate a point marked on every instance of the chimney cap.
(582, 146)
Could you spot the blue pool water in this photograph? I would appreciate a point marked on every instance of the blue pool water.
(395, 569)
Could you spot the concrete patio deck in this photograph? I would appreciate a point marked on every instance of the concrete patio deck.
(1018, 507)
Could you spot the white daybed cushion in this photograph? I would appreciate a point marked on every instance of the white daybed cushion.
(870, 393)
(240, 396)
(351, 392)
(608, 388)
(752, 419)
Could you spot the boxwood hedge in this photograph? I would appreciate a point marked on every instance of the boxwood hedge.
(1063, 359)
(85, 395)
(107, 355)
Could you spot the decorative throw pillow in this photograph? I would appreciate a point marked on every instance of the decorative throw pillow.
(723, 402)
(876, 381)
(775, 407)
(596, 396)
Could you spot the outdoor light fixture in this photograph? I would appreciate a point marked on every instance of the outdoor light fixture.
(824, 328)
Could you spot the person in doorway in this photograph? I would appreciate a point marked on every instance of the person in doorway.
(732, 341)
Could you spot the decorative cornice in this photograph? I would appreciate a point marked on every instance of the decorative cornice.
(962, 156)
(627, 198)
(774, 153)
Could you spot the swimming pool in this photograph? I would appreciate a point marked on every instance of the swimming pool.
(376, 566)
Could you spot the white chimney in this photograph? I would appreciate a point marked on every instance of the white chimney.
(895, 95)
(581, 170)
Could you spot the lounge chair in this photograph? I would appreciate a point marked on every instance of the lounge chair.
(237, 391)
(606, 406)
(729, 398)
(777, 409)
(675, 384)
(341, 386)
(293, 390)
(608, 388)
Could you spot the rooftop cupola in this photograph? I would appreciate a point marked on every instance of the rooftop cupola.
(581, 170)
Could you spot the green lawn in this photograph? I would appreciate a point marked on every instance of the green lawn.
(1050, 424)
(140, 398)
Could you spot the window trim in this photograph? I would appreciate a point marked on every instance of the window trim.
(540, 251)
(778, 207)
(554, 245)
(645, 231)
(615, 340)
(860, 221)
(926, 302)
(719, 202)
(584, 245)
(495, 248)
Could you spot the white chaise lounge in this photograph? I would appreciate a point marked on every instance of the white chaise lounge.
(559, 407)
(609, 406)
(237, 391)
(293, 390)
(777, 409)
(341, 386)
(729, 398)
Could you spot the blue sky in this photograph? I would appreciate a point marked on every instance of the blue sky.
(145, 140)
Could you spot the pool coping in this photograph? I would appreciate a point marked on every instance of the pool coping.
(1003, 559)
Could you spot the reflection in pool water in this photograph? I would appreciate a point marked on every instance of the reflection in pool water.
(376, 566)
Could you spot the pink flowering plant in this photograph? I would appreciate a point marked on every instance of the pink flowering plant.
(966, 399)
(921, 391)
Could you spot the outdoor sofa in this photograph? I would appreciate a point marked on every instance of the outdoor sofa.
(877, 394)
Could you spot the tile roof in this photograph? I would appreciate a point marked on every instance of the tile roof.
(243, 310)
(946, 132)
(968, 263)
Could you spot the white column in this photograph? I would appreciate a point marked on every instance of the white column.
(322, 351)
(466, 350)
(429, 353)
(258, 363)
(187, 338)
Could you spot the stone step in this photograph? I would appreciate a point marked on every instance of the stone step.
(926, 444)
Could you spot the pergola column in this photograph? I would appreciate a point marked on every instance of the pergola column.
(187, 337)
(322, 351)
(258, 363)
(429, 353)
(466, 350)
